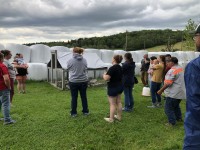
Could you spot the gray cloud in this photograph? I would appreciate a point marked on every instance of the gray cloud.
(48, 20)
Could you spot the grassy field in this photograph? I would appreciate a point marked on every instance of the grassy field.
(180, 45)
(43, 122)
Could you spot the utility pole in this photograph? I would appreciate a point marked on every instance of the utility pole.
(168, 44)
(181, 40)
(126, 41)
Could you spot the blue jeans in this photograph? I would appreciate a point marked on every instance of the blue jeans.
(5, 104)
(172, 110)
(128, 97)
(74, 88)
(154, 88)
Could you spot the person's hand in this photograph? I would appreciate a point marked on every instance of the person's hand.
(104, 74)
(25, 66)
(159, 92)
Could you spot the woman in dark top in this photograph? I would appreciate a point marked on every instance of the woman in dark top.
(128, 68)
(114, 88)
(21, 74)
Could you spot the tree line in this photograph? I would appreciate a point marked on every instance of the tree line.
(129, 41)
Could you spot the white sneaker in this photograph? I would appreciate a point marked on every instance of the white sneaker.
(109, 120)
(116, 117)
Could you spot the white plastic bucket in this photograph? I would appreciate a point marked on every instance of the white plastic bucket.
(146, 91)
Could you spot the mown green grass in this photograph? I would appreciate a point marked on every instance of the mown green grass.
(180, 46)
(43, 122)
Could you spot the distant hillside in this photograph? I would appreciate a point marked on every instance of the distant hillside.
(180, 46)
(135, 40)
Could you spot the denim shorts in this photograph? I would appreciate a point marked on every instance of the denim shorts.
(114, 91)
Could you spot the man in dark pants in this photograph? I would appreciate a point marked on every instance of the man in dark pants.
(174, 87)
(144, 69)
(192, 115)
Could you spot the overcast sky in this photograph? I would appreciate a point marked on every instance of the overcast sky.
(27, 21)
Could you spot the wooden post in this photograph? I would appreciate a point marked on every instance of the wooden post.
(63, 79)
(47, 74)
(52, 53)
(56, 69)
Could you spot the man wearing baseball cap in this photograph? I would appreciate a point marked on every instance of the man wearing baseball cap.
(174, 88)
(192, 84)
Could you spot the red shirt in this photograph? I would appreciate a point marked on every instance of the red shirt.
(3, 71)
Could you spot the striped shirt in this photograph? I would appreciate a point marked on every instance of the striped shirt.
(10, 67)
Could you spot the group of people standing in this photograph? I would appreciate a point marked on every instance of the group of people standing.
(177, 84)
(8, 73)
(161, 70)
(164, 71)
(119, 78)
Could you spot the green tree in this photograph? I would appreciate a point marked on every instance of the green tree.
(191, 26)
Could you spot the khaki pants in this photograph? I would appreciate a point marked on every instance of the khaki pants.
(144, 78)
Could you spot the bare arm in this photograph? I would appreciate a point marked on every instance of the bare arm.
(16, 65)
(7, 80)
(165, 86)
(20, 66)
(106, 77)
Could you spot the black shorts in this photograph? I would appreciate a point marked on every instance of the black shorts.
(114, 91)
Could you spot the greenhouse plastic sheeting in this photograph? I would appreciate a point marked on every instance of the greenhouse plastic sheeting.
(134, 56)
(60, 48)
(18, 48)
(197, 54)
(93, 61)
(40, 53)
(156, 54)
(137, 68)
(190, 55)
(90, 50)
(2, 47)
(106, 55)
(182, 57)
(37, 71)
(139, 55)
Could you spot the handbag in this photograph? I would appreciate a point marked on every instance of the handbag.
(135, 80)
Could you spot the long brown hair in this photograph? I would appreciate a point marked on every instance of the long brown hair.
(1, 56)
(162, 57)
(118, 58)
(128, 57)
(5, 52)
